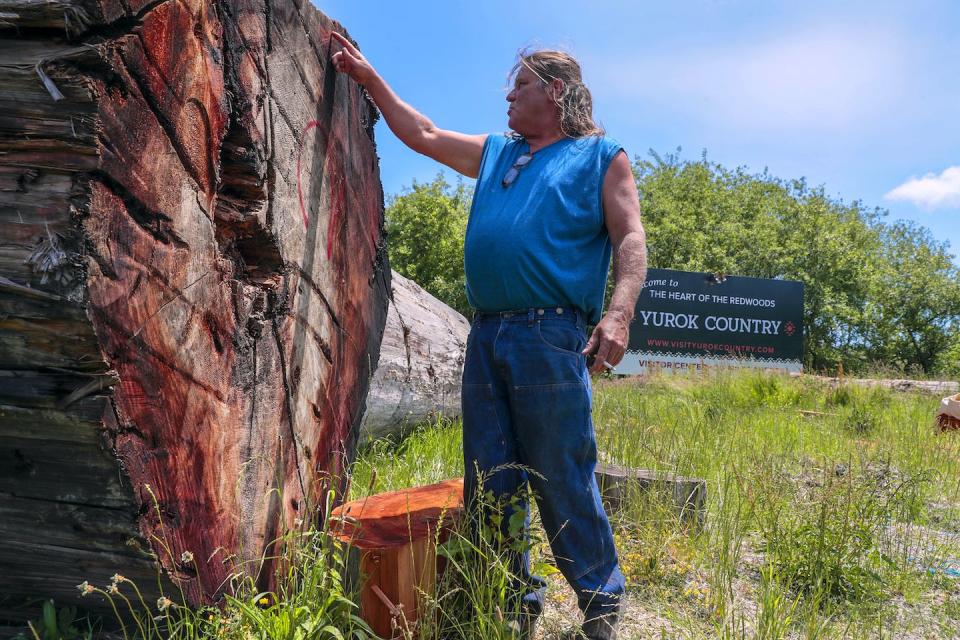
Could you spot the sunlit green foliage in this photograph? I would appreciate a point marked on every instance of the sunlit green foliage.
(425, 229)
(825, 505)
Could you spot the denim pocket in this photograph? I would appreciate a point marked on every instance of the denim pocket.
(561, 335)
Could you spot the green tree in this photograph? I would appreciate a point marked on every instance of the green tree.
(425, 229)
(873, 292)
(915, 307)
(948, 362)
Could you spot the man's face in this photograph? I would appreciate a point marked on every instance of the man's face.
(531, 107)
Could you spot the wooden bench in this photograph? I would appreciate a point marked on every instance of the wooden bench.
(393, 537)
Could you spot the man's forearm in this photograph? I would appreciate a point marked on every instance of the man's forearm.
(629, 274)
(408, 124)
(458, 151)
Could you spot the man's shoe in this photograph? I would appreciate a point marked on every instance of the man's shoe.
(601, 628)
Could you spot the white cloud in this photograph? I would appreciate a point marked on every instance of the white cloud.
(931, 191)
(825, 79)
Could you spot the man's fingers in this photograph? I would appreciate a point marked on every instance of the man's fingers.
(344, 62)
(616, 355)
(603, 355)
(346, 44)
(591, 344)
(339, 38)
(342, 57)
(615, 352)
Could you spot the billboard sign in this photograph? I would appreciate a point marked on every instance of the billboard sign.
(689, 320)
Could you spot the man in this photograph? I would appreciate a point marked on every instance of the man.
(551, 203)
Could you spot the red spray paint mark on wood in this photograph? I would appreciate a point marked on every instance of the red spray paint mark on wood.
(303, 209)
(336, 196)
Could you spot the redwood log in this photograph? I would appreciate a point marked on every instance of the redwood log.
(193, 286)
(421, 362)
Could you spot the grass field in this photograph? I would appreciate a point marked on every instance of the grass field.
(832, 512)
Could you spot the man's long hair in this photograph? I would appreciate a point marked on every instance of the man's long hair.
(575, 102)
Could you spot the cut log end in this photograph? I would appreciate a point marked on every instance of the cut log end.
(195, 286)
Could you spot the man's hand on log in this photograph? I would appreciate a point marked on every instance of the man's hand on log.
(350, 61)
(608, 342)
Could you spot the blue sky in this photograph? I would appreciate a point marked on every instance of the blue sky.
(860, 97)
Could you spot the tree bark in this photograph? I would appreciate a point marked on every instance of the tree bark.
(421, 362)
(193, 285)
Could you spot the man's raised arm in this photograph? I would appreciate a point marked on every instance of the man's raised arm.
(459, 151)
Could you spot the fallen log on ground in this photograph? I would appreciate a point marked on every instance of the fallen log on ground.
(938, 387)
(618, 485)
(194, 286)
(421, 362)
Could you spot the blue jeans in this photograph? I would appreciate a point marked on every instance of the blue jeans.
(527, 401)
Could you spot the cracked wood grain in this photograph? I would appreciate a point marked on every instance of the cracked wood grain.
(198, 365)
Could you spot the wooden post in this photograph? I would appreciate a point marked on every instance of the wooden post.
(395, 535)
(689, 495)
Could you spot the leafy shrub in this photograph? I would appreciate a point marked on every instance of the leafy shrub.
(840, 396)
(874, 291)
(863, 419)
(828, 544)
(425, 231)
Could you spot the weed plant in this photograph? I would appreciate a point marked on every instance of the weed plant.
(830, 543)
(61, 624)
(311, 601)
(478, 596)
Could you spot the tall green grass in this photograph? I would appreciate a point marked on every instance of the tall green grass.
(830, 514)
(311, 600)
(822, 500)
(428, 454)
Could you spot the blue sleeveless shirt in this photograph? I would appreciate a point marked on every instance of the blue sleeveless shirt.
(541, 241)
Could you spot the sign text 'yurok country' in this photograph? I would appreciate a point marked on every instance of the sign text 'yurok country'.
(689, 320)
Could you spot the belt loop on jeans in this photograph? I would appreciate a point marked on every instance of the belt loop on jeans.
(530, 313)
